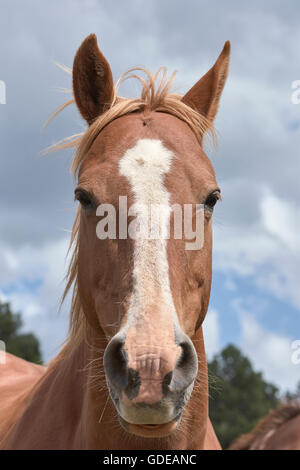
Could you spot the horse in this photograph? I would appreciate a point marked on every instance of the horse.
(132, 373)
(279, 430)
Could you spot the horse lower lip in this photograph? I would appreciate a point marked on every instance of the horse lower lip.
(149, 426)
(153, 430)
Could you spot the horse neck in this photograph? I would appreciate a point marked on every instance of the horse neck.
(53, 416)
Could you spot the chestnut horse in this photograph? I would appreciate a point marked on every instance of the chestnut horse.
(133, 372)
(279, 430)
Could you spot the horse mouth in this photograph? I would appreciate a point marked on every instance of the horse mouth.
(151, 430)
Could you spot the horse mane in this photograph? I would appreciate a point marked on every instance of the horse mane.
(256, 439)
(155, 96)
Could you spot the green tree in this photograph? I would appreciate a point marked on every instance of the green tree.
(24, 345)
(239, 396)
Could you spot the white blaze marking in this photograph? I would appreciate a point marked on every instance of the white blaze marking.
(145, 166)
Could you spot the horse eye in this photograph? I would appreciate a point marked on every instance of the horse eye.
(212, 199)
(84, 198)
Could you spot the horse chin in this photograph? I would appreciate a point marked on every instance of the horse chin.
(151, 430)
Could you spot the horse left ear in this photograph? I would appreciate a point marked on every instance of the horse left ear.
(93, 85)
(205, 95)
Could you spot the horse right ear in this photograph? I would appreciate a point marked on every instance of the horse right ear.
(205, 95)
(93, 85)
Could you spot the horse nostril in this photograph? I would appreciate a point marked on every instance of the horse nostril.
(186, 368)
(186, 356)
(115, 363)
(166, 382)
(133, 384)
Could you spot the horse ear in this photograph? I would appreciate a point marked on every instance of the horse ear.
(92, 80)
(205, 95)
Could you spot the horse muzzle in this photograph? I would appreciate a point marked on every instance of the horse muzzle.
(150, 383)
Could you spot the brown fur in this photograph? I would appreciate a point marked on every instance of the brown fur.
(274, 431)
(90, 71)
(70, 408)
(17, 379)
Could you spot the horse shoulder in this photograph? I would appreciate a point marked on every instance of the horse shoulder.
(287, 437)
(17, 378)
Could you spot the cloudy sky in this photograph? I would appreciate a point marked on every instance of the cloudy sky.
(255, 299)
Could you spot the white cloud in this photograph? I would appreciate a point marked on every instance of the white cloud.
(282, 219)
(33, 279)
(269, 352)
(267, 249)
(211, 333)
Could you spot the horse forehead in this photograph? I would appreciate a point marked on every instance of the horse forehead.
(155, 137)
(146, 163)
